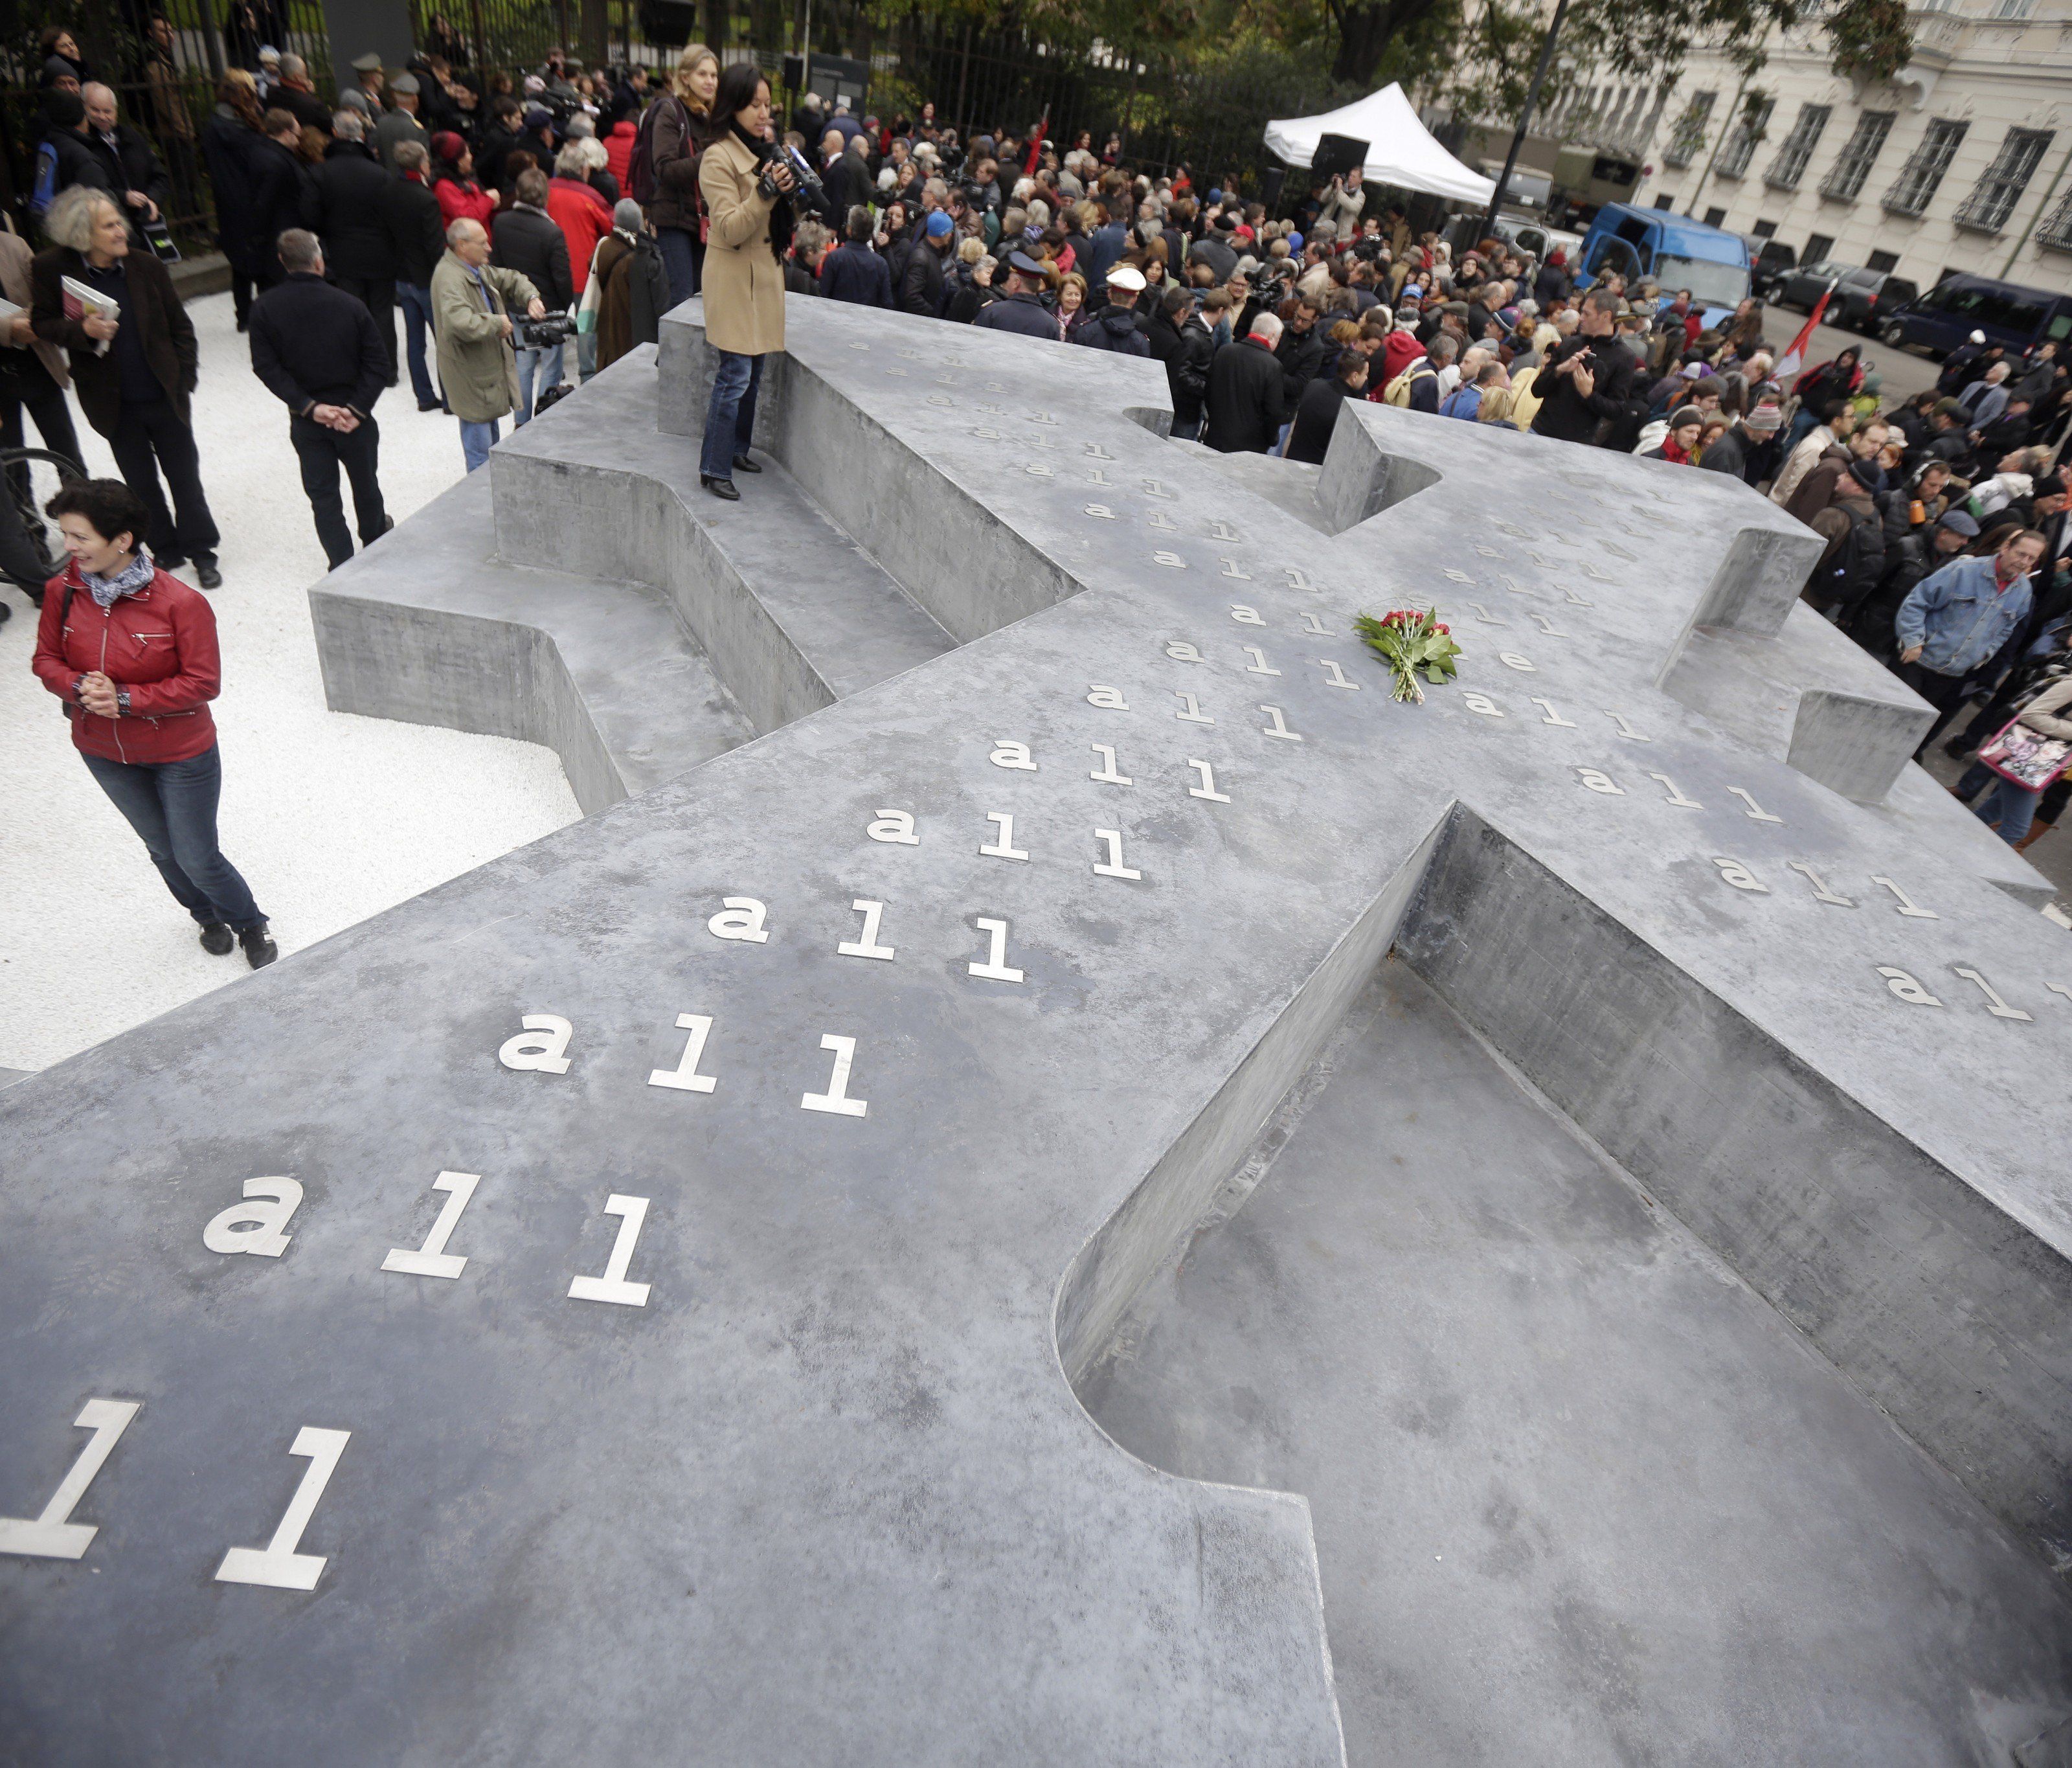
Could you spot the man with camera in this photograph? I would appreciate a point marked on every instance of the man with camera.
(527, 239)
(471, 302)
(319, 351)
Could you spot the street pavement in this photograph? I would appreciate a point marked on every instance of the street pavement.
(1905, 373)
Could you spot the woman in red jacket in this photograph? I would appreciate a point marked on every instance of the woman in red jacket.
(461, 199)
(131, 651)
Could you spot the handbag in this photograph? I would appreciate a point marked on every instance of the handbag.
(587, 311)
(2024, 757)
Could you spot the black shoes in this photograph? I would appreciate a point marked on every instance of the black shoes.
(205, 571)
(1959, 749)
(743, 464)
(259, 950)
(216, 938)
(430, 405)
(719, 488)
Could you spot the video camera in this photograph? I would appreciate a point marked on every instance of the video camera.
(806, 182)
(547, 334)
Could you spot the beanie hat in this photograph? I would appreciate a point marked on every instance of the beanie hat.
(1685, 414)
(940, 226)
(448, 146)
(625, 216)
(1766, 419)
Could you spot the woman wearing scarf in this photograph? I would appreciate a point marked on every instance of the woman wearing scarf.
(131, 651)
(751, 222)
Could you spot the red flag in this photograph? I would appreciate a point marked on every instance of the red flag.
(1794, 358)
(1036, 144)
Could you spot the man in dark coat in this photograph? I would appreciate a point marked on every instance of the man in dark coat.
(526, 239)
(1747, 451)
(73, 160)
(1317, 417)
(319, 352)
(1018, 306)
(133, 170)
(1588, 380)
(1181, 340)
(296, 96)
(1247, 394)
(419, 230)
(1115, 326)
(853, 272)
(351, 209)
(1106, 246)
(278, 183)
(1301, 352)
(921, 284)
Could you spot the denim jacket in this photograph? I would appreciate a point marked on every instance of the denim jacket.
(1959, 617)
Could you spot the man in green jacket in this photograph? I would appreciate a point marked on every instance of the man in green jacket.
(472, 303)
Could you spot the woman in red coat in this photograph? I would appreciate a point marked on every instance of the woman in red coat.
(461, 199)
(131, 651)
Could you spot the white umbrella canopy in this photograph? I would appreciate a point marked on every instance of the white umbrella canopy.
(1400, 149)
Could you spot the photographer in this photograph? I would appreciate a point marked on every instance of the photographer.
(747, 191)
(471, 302)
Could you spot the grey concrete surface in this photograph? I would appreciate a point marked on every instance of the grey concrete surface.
(9, 1076)
(1580, 1496)
(828, 1494)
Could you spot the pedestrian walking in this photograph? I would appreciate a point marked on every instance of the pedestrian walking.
(131, 652)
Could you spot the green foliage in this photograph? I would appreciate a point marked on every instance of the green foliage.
(1871, 38)
(1410, 640)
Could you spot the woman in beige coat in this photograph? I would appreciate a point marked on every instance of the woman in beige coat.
(747, 197)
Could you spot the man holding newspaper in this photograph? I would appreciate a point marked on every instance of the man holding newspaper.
(133, 364)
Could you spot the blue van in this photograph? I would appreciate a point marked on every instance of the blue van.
(2009, 314)
(1672, 250)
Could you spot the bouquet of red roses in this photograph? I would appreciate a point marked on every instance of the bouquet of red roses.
(1411, 641)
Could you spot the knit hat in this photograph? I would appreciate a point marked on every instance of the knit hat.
(940, 226)
(625, 216)
(1685, 414)
(448, 145)
(1766, 419)
(1946, 408)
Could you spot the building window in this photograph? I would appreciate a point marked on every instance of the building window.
(1665, 200)
(1765, 230)
(1715, 217)
(1882, 262)
(1852, 165)
(2014, 9)
(1790, 166)
(1689, 134)
(1818, 245)
(1739, 147)
(1915, 187)
(1987, 209)
(2055, 234)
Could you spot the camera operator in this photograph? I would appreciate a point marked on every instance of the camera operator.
(530, 240)
(747, 188)
(472, 301)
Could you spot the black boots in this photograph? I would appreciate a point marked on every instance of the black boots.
(259, 950)
(743, 464)
(216, 939)
(719, 488)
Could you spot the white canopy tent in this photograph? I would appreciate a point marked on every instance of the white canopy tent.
(1400, 150)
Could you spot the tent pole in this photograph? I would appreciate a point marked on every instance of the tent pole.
(1524, 118)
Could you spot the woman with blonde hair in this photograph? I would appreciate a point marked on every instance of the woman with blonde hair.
(1071, 304)
(675, 124)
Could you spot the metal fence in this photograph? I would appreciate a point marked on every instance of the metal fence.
(978, 79)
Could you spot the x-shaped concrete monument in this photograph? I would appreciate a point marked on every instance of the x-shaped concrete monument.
(626, 1300)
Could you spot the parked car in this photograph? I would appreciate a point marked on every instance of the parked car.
(1531, 240)
(2008, 314)
(1674, 251)
(1861, 297)
(1773, 257)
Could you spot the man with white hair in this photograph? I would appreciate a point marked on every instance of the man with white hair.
(134, 172)
(351, 206)
(296, 96)
(1983, 400)
(1247, 402)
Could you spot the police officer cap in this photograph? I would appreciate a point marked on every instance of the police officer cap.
(1027, 266)
(368, 64)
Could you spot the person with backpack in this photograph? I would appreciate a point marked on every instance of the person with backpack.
(131, 652)
(1853, 527)
(663, 174)
(1416, 388)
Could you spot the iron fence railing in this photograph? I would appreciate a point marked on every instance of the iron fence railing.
(1208, 118)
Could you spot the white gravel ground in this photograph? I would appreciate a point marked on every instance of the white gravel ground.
(331, 818)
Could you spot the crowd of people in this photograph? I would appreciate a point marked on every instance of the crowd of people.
(506, 216)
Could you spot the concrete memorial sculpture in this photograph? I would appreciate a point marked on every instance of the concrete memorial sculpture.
(628, 1301)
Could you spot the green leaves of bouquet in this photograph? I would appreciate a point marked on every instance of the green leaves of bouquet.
(1410, 641)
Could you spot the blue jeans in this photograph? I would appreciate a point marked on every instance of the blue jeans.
(171, 804)
(417, 326)
(546, 365)
(476, 440)
(680, 255)
(2010, 806)
(730, 417)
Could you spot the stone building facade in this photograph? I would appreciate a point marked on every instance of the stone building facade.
(1961, 163)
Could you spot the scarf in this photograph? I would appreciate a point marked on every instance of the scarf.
(107, 590)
